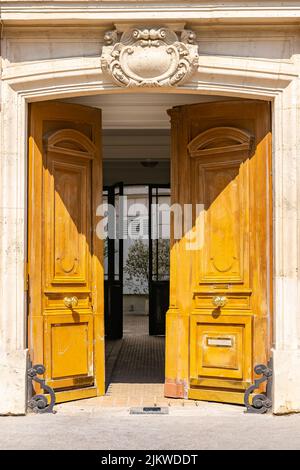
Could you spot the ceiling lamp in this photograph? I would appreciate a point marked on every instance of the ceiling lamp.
(149, 163)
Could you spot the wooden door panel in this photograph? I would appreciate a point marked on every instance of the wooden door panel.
(65, 255)
(221, 348)
(67, 208)
(236, 301)
(54, 301)
(222, 152)
(225, 204)
(69, 350)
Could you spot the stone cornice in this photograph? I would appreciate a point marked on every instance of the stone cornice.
(87, 11)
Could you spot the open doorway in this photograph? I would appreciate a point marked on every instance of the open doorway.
(220, 147)
(136, 256)
(136, 148)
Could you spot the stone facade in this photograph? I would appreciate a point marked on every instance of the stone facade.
(54, 50)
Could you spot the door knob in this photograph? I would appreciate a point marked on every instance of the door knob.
(71, 302)
(219, 301)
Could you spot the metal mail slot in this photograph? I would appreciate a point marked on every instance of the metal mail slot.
(227, 342)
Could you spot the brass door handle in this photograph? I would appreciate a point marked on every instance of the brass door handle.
(219, 301)
(71, 302)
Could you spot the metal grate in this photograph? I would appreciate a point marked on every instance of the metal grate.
(149, 410)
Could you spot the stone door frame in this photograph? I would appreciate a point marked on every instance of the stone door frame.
(238, 80)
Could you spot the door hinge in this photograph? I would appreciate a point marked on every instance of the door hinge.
(26, 277)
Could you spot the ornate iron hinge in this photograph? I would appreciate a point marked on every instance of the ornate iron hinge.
(39, 403)
(262, 402)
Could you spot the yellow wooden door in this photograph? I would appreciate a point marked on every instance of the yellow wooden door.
(219, 320)
(66, 329)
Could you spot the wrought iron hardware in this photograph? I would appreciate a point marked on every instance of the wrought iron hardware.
(39, 403)
(262, 402)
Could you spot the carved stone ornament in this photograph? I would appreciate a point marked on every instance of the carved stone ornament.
(149, 56)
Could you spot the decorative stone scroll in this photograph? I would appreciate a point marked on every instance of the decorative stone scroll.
(149, 56)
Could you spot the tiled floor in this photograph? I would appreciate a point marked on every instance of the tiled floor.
(135, 366)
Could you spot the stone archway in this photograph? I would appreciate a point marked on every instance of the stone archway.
(46, 80)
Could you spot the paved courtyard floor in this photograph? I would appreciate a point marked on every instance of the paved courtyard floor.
(135, 368)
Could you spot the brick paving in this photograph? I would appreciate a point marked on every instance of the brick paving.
(141, 358)
(135, 366)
